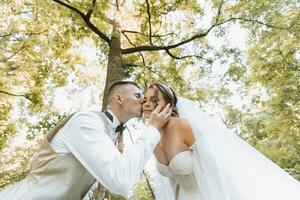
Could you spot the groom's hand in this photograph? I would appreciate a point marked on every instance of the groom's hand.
(158, 119)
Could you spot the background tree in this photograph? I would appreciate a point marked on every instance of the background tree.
(271, 80)
(67, 48)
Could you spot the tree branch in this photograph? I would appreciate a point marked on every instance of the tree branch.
(128, 39)
(15, 95)
(188, 56)
(15, 53)
(148, 183)
(117, 5)
(155, 48)
(154, 35)
(11, 34)
(201, 35)
(259, 22)
(130, 65)
(149, 21)
(5, 35)
(90, 12)
(145, 67)
(23, 12)
(143, 60)
(123, 2)
(70, 7)
(160, 24)
(219, 11)
(86, 19)
(129, 31)
(165, 35)
(150, 69)
(290, 65)
(169, 6)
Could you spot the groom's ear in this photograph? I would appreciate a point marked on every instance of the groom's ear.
(119, 99)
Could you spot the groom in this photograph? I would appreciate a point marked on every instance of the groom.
(81, 149)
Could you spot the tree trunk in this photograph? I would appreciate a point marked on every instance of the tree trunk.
(114, 67)
(114, 72)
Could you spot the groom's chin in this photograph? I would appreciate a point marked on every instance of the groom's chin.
(140, 115)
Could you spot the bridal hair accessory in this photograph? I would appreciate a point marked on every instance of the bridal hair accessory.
(169, 91)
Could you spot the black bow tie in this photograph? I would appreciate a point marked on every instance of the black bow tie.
(120, 128)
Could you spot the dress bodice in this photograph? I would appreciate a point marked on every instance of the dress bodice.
(180, 169)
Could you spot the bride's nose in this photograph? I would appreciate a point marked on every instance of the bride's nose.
(146, 103)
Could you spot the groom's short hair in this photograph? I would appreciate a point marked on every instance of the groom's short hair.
(118, 85)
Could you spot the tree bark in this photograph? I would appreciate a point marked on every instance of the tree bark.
(115, 70)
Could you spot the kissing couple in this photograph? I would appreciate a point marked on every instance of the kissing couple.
(200, 157)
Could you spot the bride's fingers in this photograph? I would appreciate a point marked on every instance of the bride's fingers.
(169, 113)
(166, 110)
(157, 109)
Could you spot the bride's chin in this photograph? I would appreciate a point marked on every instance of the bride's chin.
(146, 116)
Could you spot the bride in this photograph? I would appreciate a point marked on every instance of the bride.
(203, 160)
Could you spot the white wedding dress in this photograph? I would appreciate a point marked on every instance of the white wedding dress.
(181, 175)
(221, 166)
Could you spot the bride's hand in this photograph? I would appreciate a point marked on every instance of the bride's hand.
(158, 119)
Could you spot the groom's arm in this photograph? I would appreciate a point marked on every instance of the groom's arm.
(85, 137)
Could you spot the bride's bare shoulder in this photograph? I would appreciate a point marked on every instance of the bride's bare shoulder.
(177, 124)
(178, 128)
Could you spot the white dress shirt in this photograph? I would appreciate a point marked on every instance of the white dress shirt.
(84, 136)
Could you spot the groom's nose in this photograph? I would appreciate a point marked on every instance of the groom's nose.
(146, 104)
(142, 99)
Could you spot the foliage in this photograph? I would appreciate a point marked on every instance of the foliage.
(271, 120)
(47, 48)
(141, 190)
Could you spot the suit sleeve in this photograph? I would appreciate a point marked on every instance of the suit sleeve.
(85, 137)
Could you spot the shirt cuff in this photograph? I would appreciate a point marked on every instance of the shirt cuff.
(152, 134)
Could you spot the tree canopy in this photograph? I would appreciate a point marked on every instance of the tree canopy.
(73, 49)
